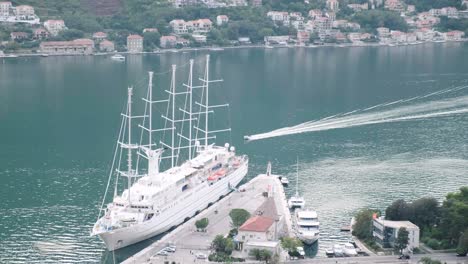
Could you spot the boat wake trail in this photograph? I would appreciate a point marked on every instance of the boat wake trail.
(397, 111)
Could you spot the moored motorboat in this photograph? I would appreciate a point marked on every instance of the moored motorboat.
(118, 57)
(307, 225)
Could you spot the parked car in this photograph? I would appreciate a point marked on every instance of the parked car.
(201, 256)
(404, 256)
(162, 253)
(170, 249)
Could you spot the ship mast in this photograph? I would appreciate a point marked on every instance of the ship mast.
(205, 108)
(297, 178)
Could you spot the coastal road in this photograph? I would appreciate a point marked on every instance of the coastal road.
(445, 258)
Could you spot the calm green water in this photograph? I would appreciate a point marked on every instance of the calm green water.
(59, 117)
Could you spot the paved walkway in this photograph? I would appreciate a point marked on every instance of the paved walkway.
(188, 241)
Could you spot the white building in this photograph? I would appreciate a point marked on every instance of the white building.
(5, 8)
(333, 5)
(385, 232)
(455, 35)
(279, 17)
(221, 19)
(24, 12)
(383, 32)
(199, 26)
(179, 26)
(199, 38)
(54, 26)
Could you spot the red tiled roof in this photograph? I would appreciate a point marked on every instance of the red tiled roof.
(106, 43)
(134, 37)
(99, 35)
(257, 224)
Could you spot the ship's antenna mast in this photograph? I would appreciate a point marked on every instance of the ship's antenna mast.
(173, 114)
(150, 123)
(207, 75)
(129, 156)
(297, 178)
(190, 88)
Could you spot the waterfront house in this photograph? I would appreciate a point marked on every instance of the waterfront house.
(354, 37)
(18, 36)
(455, 35)
(281, 40)
(398, 36)
(385, 232)
(411, 37)
(200, 26)
(40, 33)
(134, 43)
(106, 46)
(99, 36)
(303, 36)
(333, 5)
(244, 40)
(168, 41)
(221, 19)
(74, 47)
(54, 26)
(425, 34)
(262, 230)
(383, 32)
(5, 8)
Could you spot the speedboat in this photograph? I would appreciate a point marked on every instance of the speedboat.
(349, 250)
(118, 57)
(338, 250)
(307, 226)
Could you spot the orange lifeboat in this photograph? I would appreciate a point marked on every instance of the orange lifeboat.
(215, 176)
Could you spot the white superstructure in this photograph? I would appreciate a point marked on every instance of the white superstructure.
(307, 225)
(155, 201)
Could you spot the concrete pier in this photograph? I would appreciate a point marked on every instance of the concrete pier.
(189, 242)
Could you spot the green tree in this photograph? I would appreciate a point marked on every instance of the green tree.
(151, 40)
(202, 224)
(454, 216)
(462, 248)
(362, 227)
(428, 260)
(397, 211)
(402, 239)
(238, 217)
(69, 34)
(290, 244)
(424, 212)
(265, 255)
(255, 253)
(219, 243)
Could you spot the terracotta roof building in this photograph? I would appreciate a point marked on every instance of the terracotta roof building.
(99, 36)
(106, 46)
(77, 46)
(135, 43)
(40, 33)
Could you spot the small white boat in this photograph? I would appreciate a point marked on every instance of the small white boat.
(349, 250)
(284, 181)
(118, 57)
(296, 201)
(268, 47)
(216, 49)
(307, 226)
(338, 250)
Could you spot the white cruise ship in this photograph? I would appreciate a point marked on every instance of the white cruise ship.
(154, 201)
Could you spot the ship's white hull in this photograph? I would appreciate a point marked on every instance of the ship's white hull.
(308, 239)
(196, 201)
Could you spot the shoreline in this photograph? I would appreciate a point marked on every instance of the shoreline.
(221, 48)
